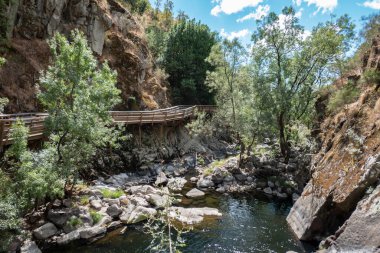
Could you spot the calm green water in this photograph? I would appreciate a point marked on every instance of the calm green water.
(249, 224)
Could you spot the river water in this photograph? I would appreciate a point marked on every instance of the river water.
(249, 224)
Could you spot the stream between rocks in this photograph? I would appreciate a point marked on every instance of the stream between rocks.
(250, 223)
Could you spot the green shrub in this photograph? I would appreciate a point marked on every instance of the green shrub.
(95, 216)
(75, 222)
(84, 200)
(348, 94)
(110, 194)
(372, 76)
(208, 171)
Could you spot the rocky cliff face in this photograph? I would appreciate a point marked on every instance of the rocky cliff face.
(342, 199)
(113, 34)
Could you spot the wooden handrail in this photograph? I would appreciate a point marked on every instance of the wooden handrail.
(35, 121)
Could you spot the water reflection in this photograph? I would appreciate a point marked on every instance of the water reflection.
(249, 224)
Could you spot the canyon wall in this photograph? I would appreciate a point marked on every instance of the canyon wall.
(113, 33)
(341, 202)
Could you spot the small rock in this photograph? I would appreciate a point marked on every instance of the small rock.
(268, 190)
(30, 247)
(282, 195)
(45, 231)
(161, 179)
(176, 184)
(138, 201)
(159, 201)
(261, 184)
(249, 179)
(191, 216)
(106, 219)
(221, 189)
(57, 203)
(112, 201)
(194, 179)
(241, 177)
(114, 225)
(67, 238)
(195, 193)
(295, 196)
(271, 184)
(205, 183)
(114, 211)
(229, 179)
(96, 204)
(67, 202)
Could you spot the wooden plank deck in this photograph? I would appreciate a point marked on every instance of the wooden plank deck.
(35, 121)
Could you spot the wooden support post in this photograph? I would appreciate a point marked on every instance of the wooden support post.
(1, 135)
(140, 137)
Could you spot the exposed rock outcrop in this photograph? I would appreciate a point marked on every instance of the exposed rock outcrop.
(334, 202)
(114, 34)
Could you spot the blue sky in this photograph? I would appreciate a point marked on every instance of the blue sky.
(237, 18)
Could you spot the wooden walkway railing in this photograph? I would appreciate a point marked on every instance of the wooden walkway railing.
(35, 121)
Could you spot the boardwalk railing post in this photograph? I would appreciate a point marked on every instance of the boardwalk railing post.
(1, 134)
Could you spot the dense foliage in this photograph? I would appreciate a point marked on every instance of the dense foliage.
(287, 68)
(189, 44)
(77, 94)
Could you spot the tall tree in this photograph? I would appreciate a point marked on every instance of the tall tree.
(289, 66)
(77, 95)
(189, 44)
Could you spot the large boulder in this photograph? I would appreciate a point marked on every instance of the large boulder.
(191, 216)
(141, 213)
(143, 189)
(329, 197)
(45, 231)
(138, 201)
(91, 232)
(195, 193)
(67, 238)
(59, 216)
(360, 233)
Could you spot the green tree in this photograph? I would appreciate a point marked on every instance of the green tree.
(77, 95)
(289, 67)
(139, 6)
(189, 44)
(227, 58)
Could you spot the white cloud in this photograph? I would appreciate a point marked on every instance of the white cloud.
(324, 5)
(232, 6)
(259, 13)
(233, 35)
(374, 4)
(297, 2)
(299, 13)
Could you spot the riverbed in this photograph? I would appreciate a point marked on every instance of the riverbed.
(250, 223)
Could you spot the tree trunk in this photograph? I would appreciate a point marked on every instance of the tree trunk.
(283, 140)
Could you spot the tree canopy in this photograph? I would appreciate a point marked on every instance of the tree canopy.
(189, 44)
(288, 66)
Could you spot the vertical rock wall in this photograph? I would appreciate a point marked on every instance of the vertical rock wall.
(114, 34)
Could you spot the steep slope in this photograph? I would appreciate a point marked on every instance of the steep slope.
(345, 171)
(113, 34)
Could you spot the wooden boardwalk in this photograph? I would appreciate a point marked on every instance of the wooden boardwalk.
(35, 121)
